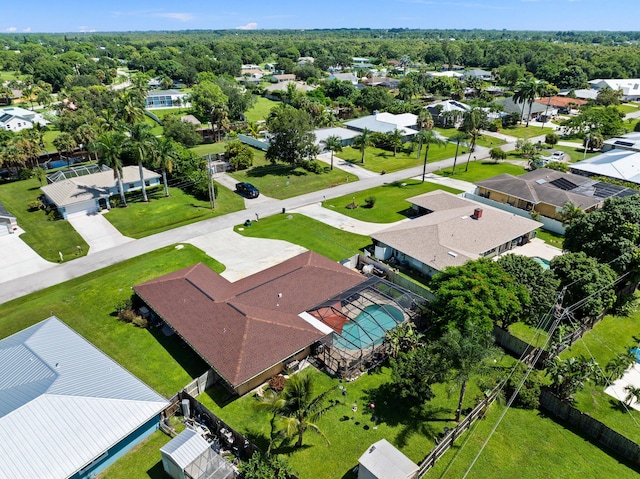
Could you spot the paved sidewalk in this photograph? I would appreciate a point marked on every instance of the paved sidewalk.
(96, 230)
(18, 259)
(347, 166)
(343, 222)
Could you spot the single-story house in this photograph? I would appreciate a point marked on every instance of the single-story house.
(386, 123)
(350, 77)
(478, 73)
(522, 108)
(384, 82)
(630, 87)
(90, 193)
(190, 456)
(448, 74)
(447, 112)
(166, 99)
(563, 104)
(284, 85)
(285, 77)
(305, 61)
(15, 119)
(580, 93)
(383, 461)
(450, 231)
(8, 222)
(546, 191)
(346, 135)
(628, 141)
(250, 330)
(617, 164)
(67, 410)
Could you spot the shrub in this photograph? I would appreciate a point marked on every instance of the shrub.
(239, 155)
(370, 201)
(637, 126)
(495, 125)
(140, 322)
(127, 316)
(34, 205)
(313, 166)
(277, 383)
(551, 139)
(529, 395)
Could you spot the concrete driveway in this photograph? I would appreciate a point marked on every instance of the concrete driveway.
(98, 232)
(229, 182)
(18, 259)
(244, 256)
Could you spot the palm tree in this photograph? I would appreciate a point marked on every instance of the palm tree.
(165, 152)
(459, 136)
(424, 122)
(142, 142)
(633, 394)
(570, 213)
(109, 146)
(273, 402)
(472, 121)
(254, 128)
(65, 143)
(470, 353)
(302, 409)
(166, 82)
(403, 338)
(85, 135)
(130, 107)
(527, 90)
(430, 138)
(617, 366)
(332, 143)
(395, 138)
(362, 141)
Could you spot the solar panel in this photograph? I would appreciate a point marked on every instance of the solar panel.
(623, 143)
(563, 184)
(606, 190)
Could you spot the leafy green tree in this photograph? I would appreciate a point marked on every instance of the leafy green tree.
(332, 143)
(403, 338)
(292, 138)
(238, 100)
(303, 408)
(207, 100)
(479, 292)
(373, 99)
(239, 155)
(585, 278)
(551, 139)
(181, 131)
(143, 145)
(265, 467)
(593, 141)
(497, 154)
(568, 376)
(361, 142)
(607, 96)
(607, 120)
(65, 143)
(470, 352)
(414, 373)
(528, 396)
(109, 146)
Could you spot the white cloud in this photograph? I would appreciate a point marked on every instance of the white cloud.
(183, 17)
(248, 26)
(11, 29)
(26, 30)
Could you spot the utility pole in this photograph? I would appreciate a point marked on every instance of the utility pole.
(212, 191)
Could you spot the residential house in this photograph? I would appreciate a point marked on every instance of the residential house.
(617, 164)
(362, 63)
(350, 77)
(450, 231)
(448, 74)
(386, 123)
(16, 119)
(166, 99)
(628, 141)
(67, 410)
(346, 135)
(629, 87)
(483, 75)
(383, 461)
(580, 93)
(563, 104)
(381, 81)
(522, 108)
(82, 195)
(285, 77)
(284, 86)
(305, 61)
(448, 112)
(546, 191)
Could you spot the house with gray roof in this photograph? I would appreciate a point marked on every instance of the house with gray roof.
(478, 73)
(450, 231)
(350, 77)
(67, 410)
(386, 123)
(618, 164)
(346, 135)
(628, 87)
(448, 112)
(90, 193)
(16, 119)
(522, 108)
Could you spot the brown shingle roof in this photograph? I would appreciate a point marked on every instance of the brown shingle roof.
(561, 101)
(242, 329)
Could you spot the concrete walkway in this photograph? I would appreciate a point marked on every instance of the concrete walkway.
(347, 166)
(537, 247)
(343, 222)
(96, 230)
(18, 259)
(244, 256)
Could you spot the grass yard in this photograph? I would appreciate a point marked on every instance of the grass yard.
(49, 136)
(209, 148)
(521, 131)
(481, 170)
(627, 108)
(377, 159)
(43, 234)
(550, 238)
(527, 445)
(576, 154)
(314, 235)
(283, 181)
(413, 433)
(528, 334)
(141, 219)
(87, 304)
(483, 140)
(390, 205)
(260, 109)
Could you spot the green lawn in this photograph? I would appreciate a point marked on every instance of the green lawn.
(626, 108)
(390, 205)
(412, 432)
(550, 238)
(87, 304)
(260, 109)
(141, 219)
(282, 181)
(314, 235)
(528, 334)
(527, 445)
(576, 154)
(377, 159)
(45, 235)
(483, 140)
(49, 136)
(209, 148)
(521, 131)
(481, 170)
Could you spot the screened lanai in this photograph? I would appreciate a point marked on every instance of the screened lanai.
(359, 319)
(75, 172)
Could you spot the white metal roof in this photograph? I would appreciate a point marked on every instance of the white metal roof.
(63, 402)
(386, 462)
(185, 448)
(618, 164)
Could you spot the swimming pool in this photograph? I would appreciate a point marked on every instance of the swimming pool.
(368, 327)
(545, 263)
(636, 353)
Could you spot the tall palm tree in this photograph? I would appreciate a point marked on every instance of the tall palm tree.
(430, 138)
(302, 409)
(527, 90)
(459, 136)
(472, 121)
(165, 152)
(130, 106)
(65, 143)
(570, 212)
(633, 394)
(142, 142)
(273, 402)
(332, 143)
(395, 138)
(85, 135)
(362, 141)
(109, 146)
(424, 122)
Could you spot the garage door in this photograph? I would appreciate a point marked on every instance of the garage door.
(82, 208)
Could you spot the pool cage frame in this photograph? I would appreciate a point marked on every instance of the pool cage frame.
(75, 172)
(348, 363)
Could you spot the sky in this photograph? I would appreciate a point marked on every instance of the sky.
(145, 15)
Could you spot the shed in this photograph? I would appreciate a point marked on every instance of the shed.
(383, 461)
(189, 456)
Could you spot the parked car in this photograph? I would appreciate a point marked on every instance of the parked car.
(555, 156)
(247, 190)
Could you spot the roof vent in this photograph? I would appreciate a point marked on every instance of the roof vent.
(451, 253)
(477, 213)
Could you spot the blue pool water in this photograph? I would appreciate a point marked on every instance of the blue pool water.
(636, 353)
(369, 326)
(542, 262)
